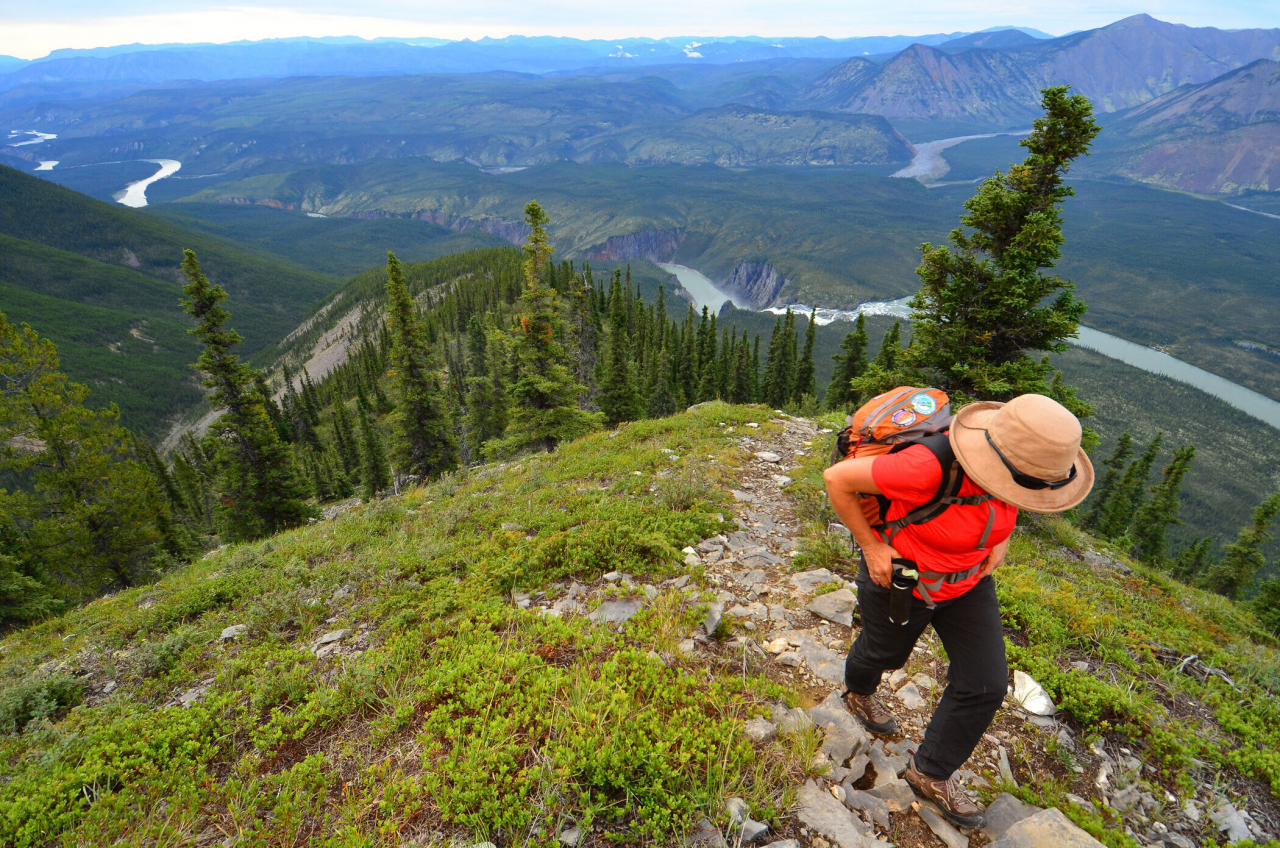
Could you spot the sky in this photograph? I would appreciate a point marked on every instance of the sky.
(30, 30)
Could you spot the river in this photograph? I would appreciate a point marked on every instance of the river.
(928, 165)
(39, 137)
(135, 193)
(1246, 400)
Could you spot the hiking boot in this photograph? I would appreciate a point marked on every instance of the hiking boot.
(873, 714)
(948, 794)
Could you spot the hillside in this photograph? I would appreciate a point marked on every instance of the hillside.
(1154, 267)
(102, 282)
(524, 650)
(487, 119)
(1215, 138)
(1118, 66)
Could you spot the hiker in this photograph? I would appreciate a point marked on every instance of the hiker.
(1024, 454)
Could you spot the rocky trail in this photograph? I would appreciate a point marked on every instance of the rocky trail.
(796, 627)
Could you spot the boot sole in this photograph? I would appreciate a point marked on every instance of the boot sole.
(974, 821)
(879, 729)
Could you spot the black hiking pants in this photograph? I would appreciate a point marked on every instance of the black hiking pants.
(969, 627)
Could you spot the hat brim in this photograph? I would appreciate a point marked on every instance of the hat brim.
(981, 463)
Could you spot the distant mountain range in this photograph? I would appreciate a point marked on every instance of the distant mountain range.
(1119, 66)
(1221, 136)
(521, 54)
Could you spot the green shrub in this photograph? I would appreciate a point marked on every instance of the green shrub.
(32, 698)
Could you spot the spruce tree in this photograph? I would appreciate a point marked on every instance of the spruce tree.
(92, 514)
(850, 363)
(985, 301)
(544, 397)
(806, 376)
(344, 435)
(771, 387)
(1127, 497)
(259, 489)
(375, 473)
(1241, 559)
(423, 442)
(1154, 517)
(1266, 605)
(1115, 465)
(619, 400)
(662, 398)
(1193, 560)
(890, 348)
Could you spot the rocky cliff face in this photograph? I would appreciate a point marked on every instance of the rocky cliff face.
(654, 245)
(757, 283)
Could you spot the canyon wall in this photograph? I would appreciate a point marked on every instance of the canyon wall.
(756, 283)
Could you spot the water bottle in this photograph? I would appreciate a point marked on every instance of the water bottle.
(902, 591)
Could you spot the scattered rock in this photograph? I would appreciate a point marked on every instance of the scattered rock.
(1231, 822)
(109, 687)
(781, 479)
(836, 607)
(843, 735)
(715, 612)
(331, 637)
(819, 811)
(615, 612)
(612, 577)
(1006, 771)
(1031, 695)
(789, 659)
(569, 838)
(753, 831)
(943, 829)
(809, 581)
(896, 793)
(911, 697)
(822, 661)
(864, 802)
(760, 731)
(235, 631)
(1004, 812)
(784, 843)
(768, 456)
(1174, 840)
(705, 834)
(898, 678)
(1046, 829)
(738, 810)
(1123, 800)
(686, 647)
(791, 721)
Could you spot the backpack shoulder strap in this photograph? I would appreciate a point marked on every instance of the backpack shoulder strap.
(948, 493)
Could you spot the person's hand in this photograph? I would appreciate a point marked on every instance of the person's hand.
(995, 559)
(880, 563)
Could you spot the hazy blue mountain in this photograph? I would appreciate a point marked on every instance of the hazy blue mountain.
(10, 63)
(349, 56)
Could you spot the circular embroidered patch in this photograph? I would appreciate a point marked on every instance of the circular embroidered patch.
(924, 404)
(903, 418)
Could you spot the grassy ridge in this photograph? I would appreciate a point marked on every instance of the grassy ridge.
(451, 709)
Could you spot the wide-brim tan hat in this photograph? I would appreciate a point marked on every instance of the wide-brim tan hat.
(1035, 434)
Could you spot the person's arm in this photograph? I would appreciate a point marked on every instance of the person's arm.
(845, 480)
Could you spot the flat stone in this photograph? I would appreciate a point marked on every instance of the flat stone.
(819, 811)
(715, 612)
(858, 766)
(334, 636)
(784, 843)
(843, 735)
(1004, 812)
(1123, 800)
(692, 560)
(1006, 771)
(1031, 695)
(836, 607)
(924, 682)
(569, 838)
(760, 730)
(886, 768)
(686, 647)
(809, 581)
(738, 810)
(942, 828)
(234, 632)
(792, 721)
(781, 479)
(1046, 829)
(789, 659)
(753, 831)
(876, 808)
(911, 697)
(823, 661)
(615, 612)
(705, 834)
(743, 497)
(1231, 822)
(896, 793)
(612, 577)
(756, 575)
(768, 456)
(898, 678)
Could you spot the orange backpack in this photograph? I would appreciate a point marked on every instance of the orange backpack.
(894, 421)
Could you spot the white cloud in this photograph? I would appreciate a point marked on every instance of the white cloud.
(36, 28)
